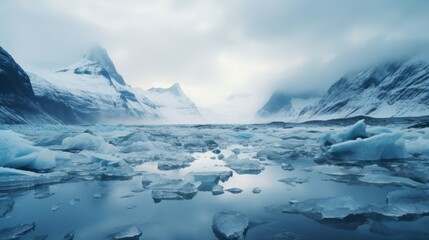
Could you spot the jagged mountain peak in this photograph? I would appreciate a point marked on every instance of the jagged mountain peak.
(96, 62)
(174, 89)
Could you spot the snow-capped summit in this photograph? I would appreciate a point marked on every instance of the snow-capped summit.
(174, 104)
(175, 89)
(96, 62)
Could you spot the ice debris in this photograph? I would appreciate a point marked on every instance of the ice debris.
(217, 189)
(354, 143)
(234, 190)
(87, 141)
(130, 233)
(16, 232)
(245, 166)
(230, 224)
(256, 190)
(18, 152)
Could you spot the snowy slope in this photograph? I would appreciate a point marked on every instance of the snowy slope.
(388, 90)
(174, 104)
(18, 102)
(94, 90)
(281, 106)
(396, 89)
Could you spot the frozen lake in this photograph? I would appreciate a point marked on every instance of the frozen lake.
(308, 181)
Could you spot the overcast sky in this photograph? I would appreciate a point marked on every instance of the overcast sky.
(225, 53)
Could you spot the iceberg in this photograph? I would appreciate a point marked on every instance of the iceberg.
(357, 130)
(231, 225)
(18, 152)
(409, 201)
(378, 147)
(209, 179)
(87, 141)
(324, 208)
(245, 166)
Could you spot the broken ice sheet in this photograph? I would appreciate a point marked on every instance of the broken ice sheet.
(172, 164)
(209, 179)
(228, 224)
(382, 179)
(16, 232)
(245, 166)
(130, 233)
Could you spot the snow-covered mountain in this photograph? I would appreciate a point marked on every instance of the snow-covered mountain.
(92, 91)
(174, 104)
(394, 89)
(389, 90)
(282, 106)
(18, 102)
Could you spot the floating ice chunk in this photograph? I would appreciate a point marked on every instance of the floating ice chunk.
(86, 141)
(245, 166)
(287, 167)
(242, 135)
(171, 165)
(130, 233)
(324, 208)
(419, 146)
(12, 179)
(230, 224)
(56, 207)
(18, 152)
(382, 146)
(256, 190)
(292, 181)
(69, 236)
(357, 130)
(388, 180)
(409, 201)
(148, 178)
(234, 190)
(285, 235)
(210, 179)
(217, 189)
(6, 206)
(174, 189)
(97, 195)
(131, 206)
(16, 232)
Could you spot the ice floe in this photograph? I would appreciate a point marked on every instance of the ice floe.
(230, 225)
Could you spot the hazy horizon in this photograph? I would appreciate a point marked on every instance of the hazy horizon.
(225, 55)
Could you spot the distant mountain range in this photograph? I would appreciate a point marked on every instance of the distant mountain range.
(396, 89)
(87, 92)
